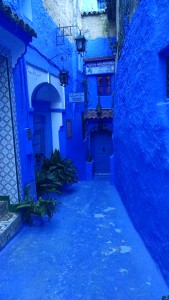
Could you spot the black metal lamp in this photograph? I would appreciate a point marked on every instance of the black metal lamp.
(63, 77)
(80, 43)
(98, 108)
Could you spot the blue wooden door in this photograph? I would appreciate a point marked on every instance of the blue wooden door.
(102, 149)
(38, 141)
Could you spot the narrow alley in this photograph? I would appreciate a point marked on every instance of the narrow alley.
(90, 251)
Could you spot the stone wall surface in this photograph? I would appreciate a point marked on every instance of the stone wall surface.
(97, 26)
(141, 127)
(65, 13)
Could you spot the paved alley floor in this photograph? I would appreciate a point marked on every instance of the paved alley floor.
(89, 251)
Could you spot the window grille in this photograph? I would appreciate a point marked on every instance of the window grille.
(104, 85)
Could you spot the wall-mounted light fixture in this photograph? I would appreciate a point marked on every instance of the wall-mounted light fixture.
(63, 77)
(98, 108)
(63, 74)
(80, 43)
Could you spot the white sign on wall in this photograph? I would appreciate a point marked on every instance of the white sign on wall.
(76, 97)
(100, 68)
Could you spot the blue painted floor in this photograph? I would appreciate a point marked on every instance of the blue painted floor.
(88, 251)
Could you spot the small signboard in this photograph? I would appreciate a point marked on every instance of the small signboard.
(100, 68)
(76, 97)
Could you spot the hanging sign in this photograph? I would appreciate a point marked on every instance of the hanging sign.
(100, 68)
(76, 97)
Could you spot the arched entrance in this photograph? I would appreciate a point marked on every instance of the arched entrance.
(44, 97)
(101, 149)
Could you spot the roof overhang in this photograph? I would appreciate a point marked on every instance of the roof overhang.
(92, 114)
(15, 34)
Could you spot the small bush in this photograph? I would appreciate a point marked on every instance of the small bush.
(55, 172)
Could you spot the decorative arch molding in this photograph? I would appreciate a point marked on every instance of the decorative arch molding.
(46, 103)
(96, 129)
(46, 92)
(40, 80)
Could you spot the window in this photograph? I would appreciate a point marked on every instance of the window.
(167, 77)
(104, 85)
(101, 4)
(94, 5)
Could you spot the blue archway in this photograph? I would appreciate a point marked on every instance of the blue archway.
(43, 98)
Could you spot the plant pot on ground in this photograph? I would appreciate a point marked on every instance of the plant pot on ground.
(38, 209)
(56, 172)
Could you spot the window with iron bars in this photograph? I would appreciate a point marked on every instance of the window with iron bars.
(104, 85)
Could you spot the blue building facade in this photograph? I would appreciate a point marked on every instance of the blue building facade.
(47, 115)
(32, 59)
(141, 124)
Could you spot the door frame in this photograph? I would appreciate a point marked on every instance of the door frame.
(96, 130)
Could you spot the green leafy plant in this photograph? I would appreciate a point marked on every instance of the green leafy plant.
(62, 169)
(29, 207)
(46, 182)
(41, 208)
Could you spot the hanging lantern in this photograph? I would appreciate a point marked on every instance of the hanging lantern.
(98, 108)
(63, 77)
(80, 43)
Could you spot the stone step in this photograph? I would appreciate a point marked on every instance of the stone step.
(9, 226)
(3, 208)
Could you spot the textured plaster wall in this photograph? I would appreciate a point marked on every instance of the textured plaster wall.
(98, 47)
(90, 5)
(65, 13)
(97, 26)
(141, 128)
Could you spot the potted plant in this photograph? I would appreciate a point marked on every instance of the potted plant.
(33, 212)
(57, 172)
(46, 182)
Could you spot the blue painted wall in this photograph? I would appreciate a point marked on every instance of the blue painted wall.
(141, 128)
(99, 47)
(105, 101)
